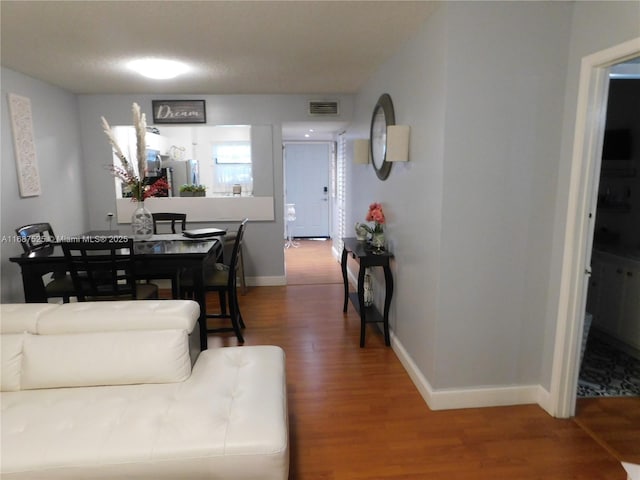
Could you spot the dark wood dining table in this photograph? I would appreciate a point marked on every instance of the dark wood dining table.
(166, 252)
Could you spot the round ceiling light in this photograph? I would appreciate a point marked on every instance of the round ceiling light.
(158, 68)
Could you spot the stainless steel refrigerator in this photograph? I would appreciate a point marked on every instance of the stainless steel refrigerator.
(183, 172)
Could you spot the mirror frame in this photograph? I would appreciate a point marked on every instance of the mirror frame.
(382, 113)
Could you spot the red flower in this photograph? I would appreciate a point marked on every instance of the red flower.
(159, 186)
(375, 214)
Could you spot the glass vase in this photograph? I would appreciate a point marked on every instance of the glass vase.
(141, 223)
(377, 240)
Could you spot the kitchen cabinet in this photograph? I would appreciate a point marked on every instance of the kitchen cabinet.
(614, 297)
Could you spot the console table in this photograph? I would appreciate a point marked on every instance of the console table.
(366, 257)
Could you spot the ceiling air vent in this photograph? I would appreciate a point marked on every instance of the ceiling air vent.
(323, 108)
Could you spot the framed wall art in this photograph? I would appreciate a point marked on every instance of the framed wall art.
(24, 145)
(179, 111)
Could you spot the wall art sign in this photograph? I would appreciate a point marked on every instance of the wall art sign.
(179, 111)
(24, 145)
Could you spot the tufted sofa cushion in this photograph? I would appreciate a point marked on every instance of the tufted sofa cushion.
(228, 420)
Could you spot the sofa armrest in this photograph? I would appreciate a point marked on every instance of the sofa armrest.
(121, 316)
(23, 317)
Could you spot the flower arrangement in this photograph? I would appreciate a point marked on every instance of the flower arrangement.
(125, 171)
(375, 215)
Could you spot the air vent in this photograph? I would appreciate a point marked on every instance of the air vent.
(323, 108)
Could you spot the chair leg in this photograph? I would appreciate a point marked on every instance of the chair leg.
(243, 283)
(237, 308)
(235, 316)
(223, 302)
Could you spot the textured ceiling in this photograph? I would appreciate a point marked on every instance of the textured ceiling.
(235, 47)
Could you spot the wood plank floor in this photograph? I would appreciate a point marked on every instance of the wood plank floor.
(355, 414)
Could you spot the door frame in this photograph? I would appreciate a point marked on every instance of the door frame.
(579, 228)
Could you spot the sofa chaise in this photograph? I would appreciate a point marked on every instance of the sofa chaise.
(114, 390)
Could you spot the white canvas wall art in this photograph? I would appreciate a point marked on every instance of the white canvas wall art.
(24, 145)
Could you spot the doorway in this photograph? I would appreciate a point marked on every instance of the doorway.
(306, 179)
(610, 363)
(579, 227)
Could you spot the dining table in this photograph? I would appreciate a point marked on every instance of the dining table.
(159, 252)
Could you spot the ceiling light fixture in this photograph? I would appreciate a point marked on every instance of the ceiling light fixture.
(157, 68)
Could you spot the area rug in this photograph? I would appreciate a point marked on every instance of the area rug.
(607, 371)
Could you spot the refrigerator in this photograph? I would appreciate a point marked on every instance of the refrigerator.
(182, 172)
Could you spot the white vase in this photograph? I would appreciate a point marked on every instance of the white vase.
(368, 290)
(361, 231)
(141, 223)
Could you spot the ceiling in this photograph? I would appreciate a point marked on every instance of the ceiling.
(234, 47)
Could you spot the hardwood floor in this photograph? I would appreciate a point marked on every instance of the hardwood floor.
(355, 414)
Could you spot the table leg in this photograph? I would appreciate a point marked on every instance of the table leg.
(388, 281)
(200, 294)
(363, 316)
(343, 265)
(33, 285)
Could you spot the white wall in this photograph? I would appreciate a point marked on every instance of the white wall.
(60, 164)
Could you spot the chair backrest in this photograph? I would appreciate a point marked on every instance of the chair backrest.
(172, 218)
(101, 268)
(36, 236)
(233, 261)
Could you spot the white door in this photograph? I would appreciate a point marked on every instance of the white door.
(306, 170)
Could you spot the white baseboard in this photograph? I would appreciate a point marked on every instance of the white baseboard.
(447, 399)
(251, 281)
(271, 281)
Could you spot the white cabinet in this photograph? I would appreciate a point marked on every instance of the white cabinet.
(614, 297)
(156, 142)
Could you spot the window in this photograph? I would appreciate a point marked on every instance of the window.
(231, 163)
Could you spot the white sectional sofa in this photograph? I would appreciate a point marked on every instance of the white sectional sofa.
(108, 390)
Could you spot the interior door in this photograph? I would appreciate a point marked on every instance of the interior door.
(307, 187)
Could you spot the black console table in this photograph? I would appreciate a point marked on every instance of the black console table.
(364, 254)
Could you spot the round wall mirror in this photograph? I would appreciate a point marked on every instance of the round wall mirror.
(383, 116)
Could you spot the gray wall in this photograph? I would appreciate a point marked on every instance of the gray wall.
(263, 254)
(489, 90)
(73, 153)
(595, 26)
(60, 164)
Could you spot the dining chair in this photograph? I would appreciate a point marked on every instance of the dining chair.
(104, 269)
(228, 243)
(39, 237)
(169, 219)
(163, 221)
(222, 278)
